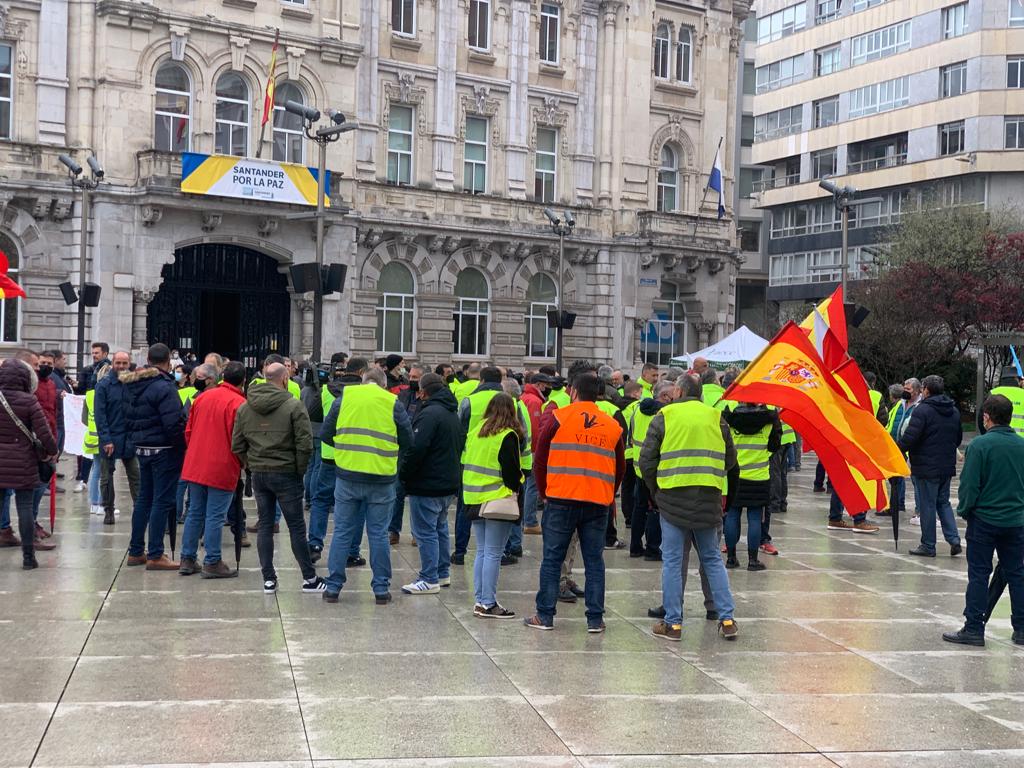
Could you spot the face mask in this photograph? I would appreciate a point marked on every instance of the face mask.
(449, 378)
(177, 376)
(200, 385)
(414, 385)
(45, 371)
(906, 395)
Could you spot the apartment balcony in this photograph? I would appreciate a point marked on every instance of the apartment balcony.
(776, 182)
(886, 152)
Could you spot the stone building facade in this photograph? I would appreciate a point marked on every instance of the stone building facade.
(473, 115)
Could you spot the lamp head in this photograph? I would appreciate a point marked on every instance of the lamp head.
(570, 219)
(95, 167)
(336, 117)
(74, 168)
(828, 186)
(555, 221)
(309, 114)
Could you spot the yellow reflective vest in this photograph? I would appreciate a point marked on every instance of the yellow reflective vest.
(526, 450)
(1016, 397)
(481, 470)
(693, 449)
(366, 436)
(91, 443)
(752, 453)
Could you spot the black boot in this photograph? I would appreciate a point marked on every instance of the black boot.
(28, 559)
(753, 564)
(730, 558)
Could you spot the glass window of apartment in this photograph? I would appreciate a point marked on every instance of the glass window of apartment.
(1015, 132)
(1014, 72)
(662, 43)
(861, 5)
(826, 112)
(668, 181)
(881, 43)
(289, 131)
(546, 161)
(395, 309)
(823, 163)
(826, 10)
(951, 138)
(954, 79)
(550, 21)
(6, 91)
(750, 235)
(403, 17)
(400, 145)
(232, 115)
(664, 336)
(475, 165)
(749, 78)
(480, 24)
(880, 97)
(789, 222)
(826, 61)
(10, 309)
(471, 313)
(954, 20)
(747, 131)
(750, 179)
(173, 112)
(542, 296)
(782, 23)
(684, 55)
(782, 122)
(779, 73)
(1016, 13)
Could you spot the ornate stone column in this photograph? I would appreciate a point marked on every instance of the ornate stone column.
(305, 307)
(140, 308)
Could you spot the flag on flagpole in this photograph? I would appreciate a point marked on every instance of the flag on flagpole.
(8, 288)
(825, 326)
(1016, 362)
(268, 99)
(717, 182)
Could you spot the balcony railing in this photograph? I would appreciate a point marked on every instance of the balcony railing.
(775, 133)
(763, 185)
(874, 163)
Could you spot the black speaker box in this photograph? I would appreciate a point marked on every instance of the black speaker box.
(67, 290)
(305, 278)
(91, 295)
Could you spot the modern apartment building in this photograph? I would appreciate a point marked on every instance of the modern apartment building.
(908, 101)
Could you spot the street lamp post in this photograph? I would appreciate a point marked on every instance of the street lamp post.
(86, 185)
(322, 136)
(562, 227)
(843, 199)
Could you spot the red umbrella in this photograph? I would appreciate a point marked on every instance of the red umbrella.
(53, 498)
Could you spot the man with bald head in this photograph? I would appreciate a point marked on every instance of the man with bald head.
(112, 429)
(700, 364)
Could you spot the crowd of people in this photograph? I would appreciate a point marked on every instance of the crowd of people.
(530, 453)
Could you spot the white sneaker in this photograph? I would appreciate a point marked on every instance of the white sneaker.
(421, 588)
(96, 509)
(445, 581)
(915, 520)
(79, 487)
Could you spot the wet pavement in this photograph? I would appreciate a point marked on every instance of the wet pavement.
(839, 662)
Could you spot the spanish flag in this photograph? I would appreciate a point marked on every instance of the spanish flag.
(825, 326)
(268, 98)
(8, 288)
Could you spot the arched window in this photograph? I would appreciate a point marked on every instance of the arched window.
(542, 295)
(471, 313)
(173, 114)
(233, 107)
(668, 181)
(396, 315)
(662, 44)
(684, 55)
(10, 309)
(289, 132)
(665, 335)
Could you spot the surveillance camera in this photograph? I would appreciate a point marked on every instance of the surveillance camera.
(552, 217)
(95, 167)
(336, 117)
(570, 219)
(70, 164)
(310, 114)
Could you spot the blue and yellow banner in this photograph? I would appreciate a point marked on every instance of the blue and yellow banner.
(250, 179)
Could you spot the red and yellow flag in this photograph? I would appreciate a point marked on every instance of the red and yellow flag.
(268, 98)
(8, 288)
(826, 328)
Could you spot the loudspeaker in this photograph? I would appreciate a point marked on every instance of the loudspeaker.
(91, 295)
(305, 278)
(68, 292)
(855, 315)
(568, 319)
(334, 278)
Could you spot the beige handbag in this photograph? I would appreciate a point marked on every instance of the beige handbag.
(506, 508)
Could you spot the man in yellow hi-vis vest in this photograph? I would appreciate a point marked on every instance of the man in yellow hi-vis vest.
(370, 433)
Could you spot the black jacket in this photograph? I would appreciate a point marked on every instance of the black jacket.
(748, 420)
(87, 380)
(153, 413)
(434, 466)
(411, 403)
(931, 438)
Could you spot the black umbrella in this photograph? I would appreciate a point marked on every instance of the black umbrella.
(995, 590)
(172, 527)
(238, 527)
(895, 526)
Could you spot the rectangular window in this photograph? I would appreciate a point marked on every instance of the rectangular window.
(749, 79)
(475, 166)
(550, 16)
(400, 145)
(1016, 13)
(403, 17)
(779, 123)
(6, 91)
(480, 24)
(1015, 132)
(546, 162)
(826, 61)
(826, 112)
(750, 236)
(823, 163)
(782, 23)
(862, 5)
(747, 131)
(881, 43)
(954, 21)
(954, 79)
(880, 97)
(779, 73)
(951, 138)
(826, 10)
(1015, 72)
(750, 179)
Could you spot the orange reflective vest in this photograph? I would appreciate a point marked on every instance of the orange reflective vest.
(581, 460)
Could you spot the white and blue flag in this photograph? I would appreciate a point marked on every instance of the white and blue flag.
(717, 183)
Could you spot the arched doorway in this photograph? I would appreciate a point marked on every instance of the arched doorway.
(222, 298)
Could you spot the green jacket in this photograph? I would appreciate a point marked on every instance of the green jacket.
(992, 480)
(272, 432)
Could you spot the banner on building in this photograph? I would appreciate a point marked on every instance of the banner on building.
(250, 179)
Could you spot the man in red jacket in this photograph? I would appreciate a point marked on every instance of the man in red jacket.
(535, 398)
(211, 471)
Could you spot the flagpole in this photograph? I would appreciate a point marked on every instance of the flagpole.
(707, 186)
(270, 79)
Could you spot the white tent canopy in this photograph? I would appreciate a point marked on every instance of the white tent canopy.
(738, 348)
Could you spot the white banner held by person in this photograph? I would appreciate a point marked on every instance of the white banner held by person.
(74, 429)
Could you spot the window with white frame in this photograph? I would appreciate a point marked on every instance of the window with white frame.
(396, 310)
(880, 97)
(10, 309)
(823, 163)
(232, 115)
(542, 297)
(289, 131)
(826, 10)
(665, 335)
(662, 46)
(173, 115)
(403, 17)
(779, 73)
(471, 313)
(474, 178)
(827, 61)
(480, 24)
(780, 24)
(668, 181)
(951, 138)
(781, 122)
(954, 21)
(1015, 72)
(550, 31)
(6, 91)
(1016, 13)
(400, 139)
(882, 43)
(684, 55)
(545, 164)
(826, 112)
(953, 78)
(1014, 127)
(863, 5)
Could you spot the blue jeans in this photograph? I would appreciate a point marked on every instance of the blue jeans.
(562, 519)
(428, 519)
(732, 527)
(207, 510)
(933, 500)
(323, 503)
(984, 539)
(5, 509)
(355, 502)
(395, 524)
(158, 476)
(309, 479)
(491, 536)
(529, 501)
(673, 540)
(898, 494)
(515, 538)
(95, 497)
(835, 508)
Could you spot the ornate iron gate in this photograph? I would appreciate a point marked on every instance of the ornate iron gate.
(176, 312)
